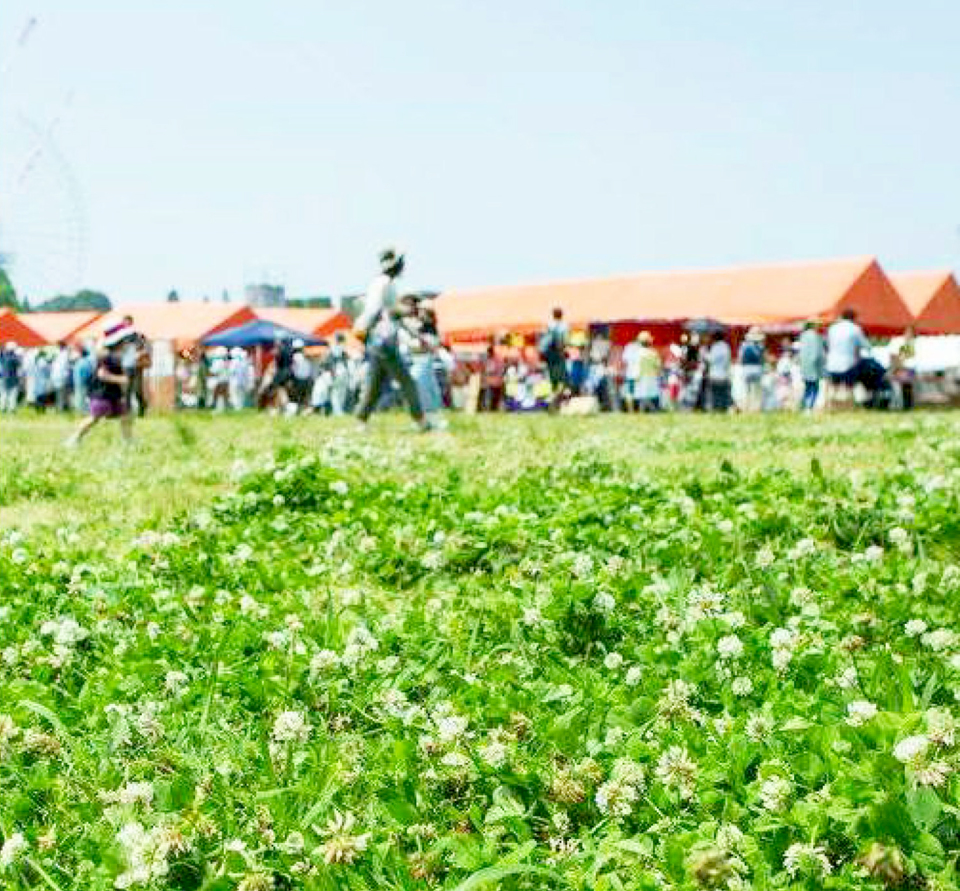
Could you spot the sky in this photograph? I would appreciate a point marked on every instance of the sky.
(203, 144)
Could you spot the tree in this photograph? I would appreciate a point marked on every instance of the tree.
(173, 296)
(8, 294)
(82, 300)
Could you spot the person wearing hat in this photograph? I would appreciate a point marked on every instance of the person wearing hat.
(378, 326)
(649, 366)
(751, 360)
(108, 389)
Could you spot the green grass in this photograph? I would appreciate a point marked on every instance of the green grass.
(603, 653)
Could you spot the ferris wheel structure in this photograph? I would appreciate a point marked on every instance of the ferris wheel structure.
(43, 221)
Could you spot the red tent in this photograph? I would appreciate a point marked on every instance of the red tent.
(933, 298)
(13, 330)
(57, 326)
(185, 324)
(782, 294)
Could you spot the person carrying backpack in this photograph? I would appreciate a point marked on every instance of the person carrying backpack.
(553, 350)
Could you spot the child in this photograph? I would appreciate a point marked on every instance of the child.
(108, 389)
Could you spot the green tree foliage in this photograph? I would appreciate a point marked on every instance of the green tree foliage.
(8, 294)
(82, 300)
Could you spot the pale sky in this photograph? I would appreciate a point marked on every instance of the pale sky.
(213, 142)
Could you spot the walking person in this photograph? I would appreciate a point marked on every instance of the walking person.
(813, 358)
(10, 368)
(61, 377)
(553, 350)
(423, 341)
(83, 370)
(378, 326)
(719, 362)
(338, 364)
(109, 388)
(847, 345)
(751, 360)
(136, 360)
(649, 366)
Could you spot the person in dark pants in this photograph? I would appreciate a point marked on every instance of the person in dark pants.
(553, 349)
(378, 326)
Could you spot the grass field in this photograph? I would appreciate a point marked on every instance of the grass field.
(607, 653)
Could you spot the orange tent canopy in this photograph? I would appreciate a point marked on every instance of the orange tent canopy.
(13, 330)
(318, 322)
(933, 298)
(57, 326)
(183, 323)
(747, 295)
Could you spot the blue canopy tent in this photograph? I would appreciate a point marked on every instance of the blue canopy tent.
(259, 333)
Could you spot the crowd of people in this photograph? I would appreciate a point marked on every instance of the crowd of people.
(396, 356)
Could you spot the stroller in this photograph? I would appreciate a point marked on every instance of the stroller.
(872, 376)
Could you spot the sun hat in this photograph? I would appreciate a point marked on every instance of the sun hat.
(390, 259)
(117, 334)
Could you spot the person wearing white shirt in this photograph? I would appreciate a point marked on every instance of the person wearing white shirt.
(846, 346)
(378, 326)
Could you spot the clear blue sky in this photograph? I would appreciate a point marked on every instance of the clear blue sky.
(497, 141)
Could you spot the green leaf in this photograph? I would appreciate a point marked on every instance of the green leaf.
(496, 873)
(924, 807)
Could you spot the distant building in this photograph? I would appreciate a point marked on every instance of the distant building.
(265, 295)
(319, 302)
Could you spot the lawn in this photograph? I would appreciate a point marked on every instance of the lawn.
(608, 653)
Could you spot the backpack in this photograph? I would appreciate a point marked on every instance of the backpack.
(751, 355)
(549, 345)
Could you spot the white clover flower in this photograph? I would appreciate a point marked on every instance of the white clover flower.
(915, 627)
(847, 679)
(758, 727)
(339, 487)
(764, 558)
(859, 712)
(324, 660)
(676, 769)
(911, 750)
(135, 793)
(939, 639)
(775, 793)
(613, 661)
(941, 727)
(741, 686)
(615, 736)
(341, 845)
(806, 860)
(582, 566)
(604, 602)
(531, 616)
(783, 639)
(456, 760)
(633, 676)
(13, 846)
(290, 726)
(725, 526)
(451, 727)
(803, 548)
(495, 754)
(730, 647)
(616, 799)
(933, 774)
(873, 554)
